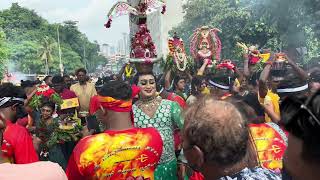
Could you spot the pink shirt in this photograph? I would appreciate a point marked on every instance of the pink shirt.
(35, 171)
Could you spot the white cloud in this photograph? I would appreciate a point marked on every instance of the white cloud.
(91, 19)
(91, 15)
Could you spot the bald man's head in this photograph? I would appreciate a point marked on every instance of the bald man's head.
(218, 129)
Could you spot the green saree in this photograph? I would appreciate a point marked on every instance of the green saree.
(166, 116)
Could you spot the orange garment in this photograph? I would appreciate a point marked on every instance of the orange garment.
(271, 99)
(115, 155)
(270, 143)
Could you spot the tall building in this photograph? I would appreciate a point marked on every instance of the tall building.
(126, 43)
(105, 50)
(120, 47)
(112, 50)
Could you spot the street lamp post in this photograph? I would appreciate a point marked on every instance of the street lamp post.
(60, 64)
(84, 56)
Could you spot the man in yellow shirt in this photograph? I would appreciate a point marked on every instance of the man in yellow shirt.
(271, 106)
(84, 91)
(268, 97)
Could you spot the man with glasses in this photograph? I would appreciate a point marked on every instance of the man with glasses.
(301, 118)
(17, 144)
(216, 143)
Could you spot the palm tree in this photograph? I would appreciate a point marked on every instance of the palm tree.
(46, 49)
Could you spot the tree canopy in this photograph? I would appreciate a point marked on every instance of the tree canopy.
(276, 24)
(25, 32)
(3, 53)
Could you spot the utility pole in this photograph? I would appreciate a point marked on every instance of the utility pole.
(84, 56)
(60, 64)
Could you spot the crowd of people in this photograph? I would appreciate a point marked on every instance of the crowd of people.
(234, 123)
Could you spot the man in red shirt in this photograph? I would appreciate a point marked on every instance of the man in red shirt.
(17, 144)
(122, 152)
(61, 88)
(49, 170)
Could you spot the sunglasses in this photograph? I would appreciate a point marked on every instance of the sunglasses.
(292, 107)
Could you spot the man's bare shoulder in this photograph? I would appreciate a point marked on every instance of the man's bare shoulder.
(43, 170)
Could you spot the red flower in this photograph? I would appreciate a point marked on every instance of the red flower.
(254, 60)
(227, 64)
(48, 93)
(38, 93)
(44, 90)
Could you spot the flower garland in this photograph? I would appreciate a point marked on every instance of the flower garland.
(128, 71)
(170, 63)
(67, 130)
(44, 92)
(180, 58)
(60, 136)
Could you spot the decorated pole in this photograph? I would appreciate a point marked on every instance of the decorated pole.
(143, 50)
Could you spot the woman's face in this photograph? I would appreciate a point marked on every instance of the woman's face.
(147, 83)
(203, 85)
(46, 112)
(181, 85)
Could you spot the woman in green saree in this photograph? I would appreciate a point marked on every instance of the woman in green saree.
(153, 111)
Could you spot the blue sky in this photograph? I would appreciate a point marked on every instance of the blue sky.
(91, 14)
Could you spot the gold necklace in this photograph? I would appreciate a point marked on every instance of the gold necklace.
(149, 106)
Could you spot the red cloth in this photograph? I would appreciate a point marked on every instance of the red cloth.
(196, 176)
(113, 104)
(67, 94)
(176, 135)
(94, 105)
(108, 155)
(177, 99)
(135, 90)
(17, 144)
(23, 121)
